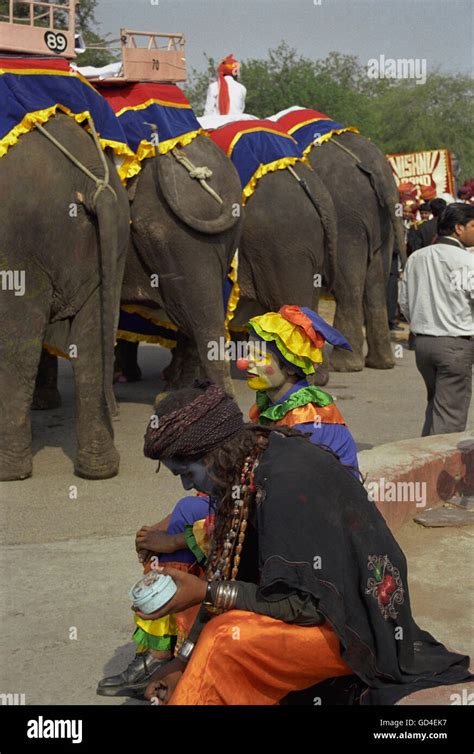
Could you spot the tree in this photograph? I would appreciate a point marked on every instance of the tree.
(86, 23)
(398, 115)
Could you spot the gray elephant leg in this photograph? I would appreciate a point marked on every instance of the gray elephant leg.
(46, 394)
(20, 352)
(216, 370)
(97, 457)
(184, 367)
(349, 319)
(380, 355)
(195, 359)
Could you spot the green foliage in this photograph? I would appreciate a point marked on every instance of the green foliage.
(399, 116)
(86, 23)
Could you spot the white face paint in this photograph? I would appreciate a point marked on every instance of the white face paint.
(264, 371)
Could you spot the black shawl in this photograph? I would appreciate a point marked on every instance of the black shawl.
(319, 533)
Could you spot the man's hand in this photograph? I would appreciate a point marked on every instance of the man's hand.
(155, 540)
(191, 591)
(164, 681)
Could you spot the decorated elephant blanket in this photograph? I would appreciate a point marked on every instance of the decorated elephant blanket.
(32, 90)
(309, 127)
(152, 116)
(257, 147)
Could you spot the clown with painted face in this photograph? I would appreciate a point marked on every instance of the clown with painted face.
(284, 354)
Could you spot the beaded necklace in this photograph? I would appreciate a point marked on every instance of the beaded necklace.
(224, 562)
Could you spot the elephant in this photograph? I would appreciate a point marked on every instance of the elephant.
(68, 240)
(360, 181)
(185, 238)
(289, 243)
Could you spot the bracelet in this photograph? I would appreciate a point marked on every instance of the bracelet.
(185, 651)
(208, 601)
(226, 595)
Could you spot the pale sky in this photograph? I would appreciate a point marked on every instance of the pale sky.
(439, 31)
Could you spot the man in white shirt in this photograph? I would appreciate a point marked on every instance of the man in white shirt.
(226, 96)
(437, 299)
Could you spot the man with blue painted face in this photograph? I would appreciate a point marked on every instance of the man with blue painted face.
(284, 360)
(304, 580)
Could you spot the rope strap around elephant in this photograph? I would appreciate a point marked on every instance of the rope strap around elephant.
(341, 146)
(305, 188)
(199, 173)
(101, 183)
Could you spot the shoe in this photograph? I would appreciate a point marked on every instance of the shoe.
(395, 327)
(134, 679)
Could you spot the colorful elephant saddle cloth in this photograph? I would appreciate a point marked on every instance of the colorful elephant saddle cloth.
(310, 127)
(152, 116)
(34, 89)
(256, 147)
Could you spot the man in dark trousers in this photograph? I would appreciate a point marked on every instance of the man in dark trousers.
(437, 299)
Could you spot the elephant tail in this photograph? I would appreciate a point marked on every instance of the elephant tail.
(106, 213)
(384, 187)
(321, 200)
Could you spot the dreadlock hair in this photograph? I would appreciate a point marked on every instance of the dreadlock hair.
(224, 465)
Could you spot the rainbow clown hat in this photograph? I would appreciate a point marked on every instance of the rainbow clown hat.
(297, 335)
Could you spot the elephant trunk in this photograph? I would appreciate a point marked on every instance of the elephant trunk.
(106, 212)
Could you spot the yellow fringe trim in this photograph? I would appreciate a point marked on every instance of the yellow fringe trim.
(56, 352)
(326, 137)
(145, 338)
(235, 294)
(270, 167)
(147, 149)
(129, 167)
(134, 337)
(146, 313)
(144, 105)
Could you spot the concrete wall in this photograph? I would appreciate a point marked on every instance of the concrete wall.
(425, 470)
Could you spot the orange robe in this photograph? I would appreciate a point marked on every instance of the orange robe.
(249, 659)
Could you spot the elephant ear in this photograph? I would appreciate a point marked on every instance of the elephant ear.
(185, 195)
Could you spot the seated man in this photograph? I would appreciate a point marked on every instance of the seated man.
(305, 581)
(285, 351)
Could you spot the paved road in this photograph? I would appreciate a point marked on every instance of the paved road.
(67, 563)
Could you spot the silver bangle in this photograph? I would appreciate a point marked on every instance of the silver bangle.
(226, 595)
(185, 651)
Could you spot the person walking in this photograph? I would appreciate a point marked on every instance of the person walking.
(437, 299)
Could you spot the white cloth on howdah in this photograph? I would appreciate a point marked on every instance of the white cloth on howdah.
(211, 122)
(237, 94)
(437, 290)
(284, 112)
(109, 71)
